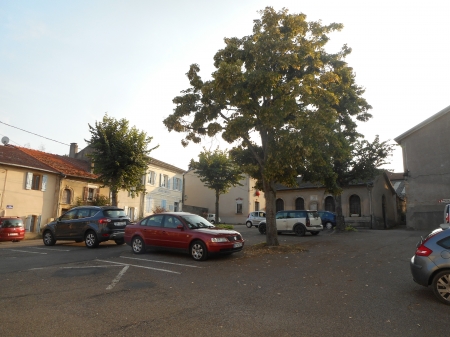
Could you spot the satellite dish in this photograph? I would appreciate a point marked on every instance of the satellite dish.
(5, 140)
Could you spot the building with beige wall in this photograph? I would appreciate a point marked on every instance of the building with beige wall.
(234, 206)
(370, 204)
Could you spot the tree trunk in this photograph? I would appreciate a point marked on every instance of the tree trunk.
(217, 207)
(114, 195)
(271, 226)
(340, 223)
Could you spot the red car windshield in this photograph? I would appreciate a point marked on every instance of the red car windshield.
(196, 221)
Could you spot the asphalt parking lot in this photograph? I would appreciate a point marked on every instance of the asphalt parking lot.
(343, 284)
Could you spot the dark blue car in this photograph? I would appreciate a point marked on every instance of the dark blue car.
(328, 219)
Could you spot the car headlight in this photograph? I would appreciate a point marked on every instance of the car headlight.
(219, 240)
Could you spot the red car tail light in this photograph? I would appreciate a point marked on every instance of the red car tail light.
(422, 250)
(308, 223)
(104, 221)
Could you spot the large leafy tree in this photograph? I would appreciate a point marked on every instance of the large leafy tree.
(277, 96)
(218, 172)
(120, 155)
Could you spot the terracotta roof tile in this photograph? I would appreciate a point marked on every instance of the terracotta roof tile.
(68, 166)
(11, 155)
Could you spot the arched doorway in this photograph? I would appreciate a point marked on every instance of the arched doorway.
(279, 205)
(329, 204)
(299, 204)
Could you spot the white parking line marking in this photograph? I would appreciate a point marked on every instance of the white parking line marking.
(114, 282)
(88, 267)
(59, 250)
(135, 265)
(24, 251)
(176, 264)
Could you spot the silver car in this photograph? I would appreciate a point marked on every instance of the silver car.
(254, 218)
(297, 222)
(430, 265)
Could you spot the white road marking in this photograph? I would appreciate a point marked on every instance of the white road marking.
(106, 266)
(134, 265)
(176, 264)
(117, 279)
(24, 251)
(59, 250)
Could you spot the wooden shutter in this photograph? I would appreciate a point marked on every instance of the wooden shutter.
(29, 181)
(44, 182)
(85, 193)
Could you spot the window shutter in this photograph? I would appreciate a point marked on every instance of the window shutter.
(160, 179)
(85, 193)
(126, 210)
(136, 213)
(29, 180)
(96, 193)
(39, 223)
(44, 182)
(168, 183)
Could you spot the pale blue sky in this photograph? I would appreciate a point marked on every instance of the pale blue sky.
(64, 64)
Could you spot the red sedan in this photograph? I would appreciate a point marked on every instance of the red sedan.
(183, 232)
(11, 229)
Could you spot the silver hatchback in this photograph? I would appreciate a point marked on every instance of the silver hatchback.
(254, 218)
(430, 265)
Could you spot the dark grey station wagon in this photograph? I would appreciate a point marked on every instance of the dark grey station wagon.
(91, 224)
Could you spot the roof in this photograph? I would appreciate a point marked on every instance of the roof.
(421, 125)
(62, 164)
(169, 167)
(11, 155)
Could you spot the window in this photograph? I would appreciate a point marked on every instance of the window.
(67, 196)
(164, 204)
(151, 178)
(279, 205)
(329, 204)
(299, 204)
(163, 180)
(35, 181)
(90, 193)
(69, 215)
(155, 221)
(177, 184)
(148, 203)
(175, 206)
(171, 222)
(256, 206)
(355, 205)
(239, 208)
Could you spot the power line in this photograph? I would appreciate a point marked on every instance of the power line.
(34, 134)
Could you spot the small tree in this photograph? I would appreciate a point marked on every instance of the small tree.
(120, 155)
(218, 172)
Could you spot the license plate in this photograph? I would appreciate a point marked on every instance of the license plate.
(237, 244)
(13, 234)
(123, 223)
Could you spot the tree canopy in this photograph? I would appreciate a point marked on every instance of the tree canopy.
(218, 172)
(289, 107)
(120, 155)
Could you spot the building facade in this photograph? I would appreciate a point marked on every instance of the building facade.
(426, 163)
(234, 206)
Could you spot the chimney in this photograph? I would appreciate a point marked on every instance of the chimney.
(73, 150)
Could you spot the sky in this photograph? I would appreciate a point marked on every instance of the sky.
(64, 64)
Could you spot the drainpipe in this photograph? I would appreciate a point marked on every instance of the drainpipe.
(4, 189)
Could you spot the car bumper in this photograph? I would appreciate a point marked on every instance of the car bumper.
(225, 247)
(314, 228)
(112, 236)
(421, 269)
(9, 237)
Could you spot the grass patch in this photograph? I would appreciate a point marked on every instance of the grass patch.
(223, 226)
(262, 249)
(350, 229)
